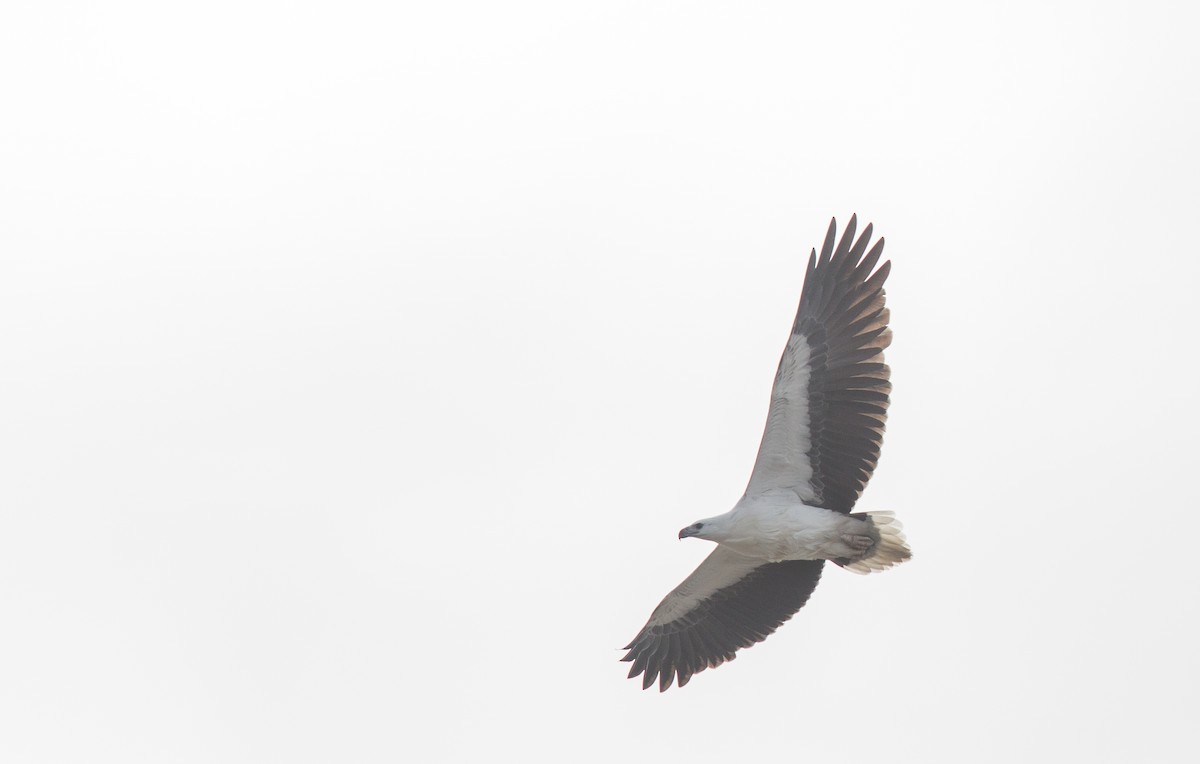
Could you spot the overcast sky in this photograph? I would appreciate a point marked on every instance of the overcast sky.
(359, 364)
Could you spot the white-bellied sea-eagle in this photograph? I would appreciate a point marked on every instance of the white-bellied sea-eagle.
(821, 443)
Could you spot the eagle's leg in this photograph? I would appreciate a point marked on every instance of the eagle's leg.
(859, 542)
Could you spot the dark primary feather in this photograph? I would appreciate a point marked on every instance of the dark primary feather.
(843, 318)
(737, 616)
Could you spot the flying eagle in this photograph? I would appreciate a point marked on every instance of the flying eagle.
(821, 443)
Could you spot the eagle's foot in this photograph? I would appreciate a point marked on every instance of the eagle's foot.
(858, 542)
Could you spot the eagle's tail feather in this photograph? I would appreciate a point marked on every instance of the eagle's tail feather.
(891, 549)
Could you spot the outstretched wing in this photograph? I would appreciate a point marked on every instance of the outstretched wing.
(830, 398)
(731, 601)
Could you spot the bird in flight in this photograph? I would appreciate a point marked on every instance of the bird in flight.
(821, 443)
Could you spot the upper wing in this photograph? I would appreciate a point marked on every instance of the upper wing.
(729, 602)
(830, 398)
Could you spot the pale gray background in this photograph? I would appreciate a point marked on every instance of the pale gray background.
(359, 363)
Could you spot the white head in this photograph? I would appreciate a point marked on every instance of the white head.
(713, 529)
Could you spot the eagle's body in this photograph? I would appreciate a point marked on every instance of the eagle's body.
(776, 526)
(821, 443)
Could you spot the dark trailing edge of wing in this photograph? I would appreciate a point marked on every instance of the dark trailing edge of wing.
(843, 318)
(740, 615)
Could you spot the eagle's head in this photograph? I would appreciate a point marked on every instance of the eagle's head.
(695, 529)
(711, 528)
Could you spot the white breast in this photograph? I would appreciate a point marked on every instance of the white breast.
(777, 526)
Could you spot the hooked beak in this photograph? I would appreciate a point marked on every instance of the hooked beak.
(691, 530)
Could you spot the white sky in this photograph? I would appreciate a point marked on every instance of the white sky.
(360, 362)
